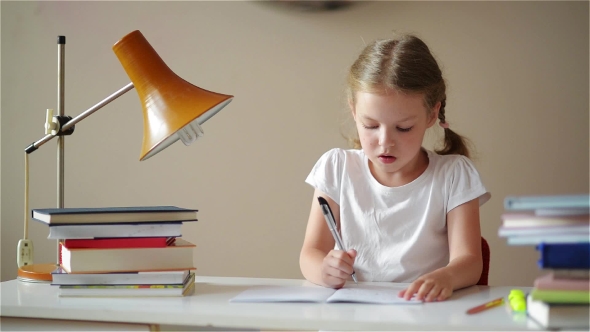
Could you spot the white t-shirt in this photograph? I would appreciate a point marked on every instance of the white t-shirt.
(399, 233)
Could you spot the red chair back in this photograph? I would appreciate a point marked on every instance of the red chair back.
(485, 251)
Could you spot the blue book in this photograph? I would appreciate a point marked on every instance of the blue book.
(113, 215)
(564, 255)
(581, 201)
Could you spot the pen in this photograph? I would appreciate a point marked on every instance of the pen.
(332, 226)
(486, 306)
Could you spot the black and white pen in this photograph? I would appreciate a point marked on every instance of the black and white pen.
(332, 226)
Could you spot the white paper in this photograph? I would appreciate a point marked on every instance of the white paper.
(370, 294)
(351, 293)
(284, 294)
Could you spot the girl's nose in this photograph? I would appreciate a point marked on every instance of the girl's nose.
(386, 138)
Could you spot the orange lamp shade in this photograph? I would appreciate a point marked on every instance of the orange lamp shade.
(170, 104)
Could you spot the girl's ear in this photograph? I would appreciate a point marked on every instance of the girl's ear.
(434, 115)
(352, 109)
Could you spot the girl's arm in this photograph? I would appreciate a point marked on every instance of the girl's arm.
(465, 259)
(318, 261)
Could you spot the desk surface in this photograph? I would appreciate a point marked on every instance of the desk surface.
(209, 306)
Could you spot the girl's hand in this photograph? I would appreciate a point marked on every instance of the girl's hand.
(337, 267)
(434, 286)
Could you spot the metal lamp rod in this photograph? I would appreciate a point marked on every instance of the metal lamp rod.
(63, 129)
(81, 117)
(61, 44)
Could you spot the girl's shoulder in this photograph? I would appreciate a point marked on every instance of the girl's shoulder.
(451, 163)
(448, 160)
(343, 155)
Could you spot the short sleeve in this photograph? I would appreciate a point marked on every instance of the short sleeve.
(465, 184)
(326, 174)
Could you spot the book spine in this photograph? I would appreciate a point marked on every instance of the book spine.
(570, 273)
(553, 239)
(547, 282)
(546, 202)
(564, 255)
(154, 242)
(561, 296)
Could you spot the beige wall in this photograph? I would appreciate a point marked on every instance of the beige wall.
(518, 87)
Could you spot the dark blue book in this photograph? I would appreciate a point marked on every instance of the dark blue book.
(110, 215)
(564, 255)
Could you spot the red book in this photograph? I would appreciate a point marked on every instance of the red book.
(124, 242)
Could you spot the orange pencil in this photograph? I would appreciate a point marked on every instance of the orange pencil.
(485, 306)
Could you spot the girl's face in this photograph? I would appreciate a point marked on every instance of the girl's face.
(391, 128)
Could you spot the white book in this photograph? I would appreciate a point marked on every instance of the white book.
(177, 256)
(557, 238)
(547, 230)
(559, 316)
(360, 293)
(61, 277)
(115, 230)
(129, 290)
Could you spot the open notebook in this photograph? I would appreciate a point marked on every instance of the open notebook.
(360, 293)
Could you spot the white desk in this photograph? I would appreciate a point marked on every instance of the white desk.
(209, 307)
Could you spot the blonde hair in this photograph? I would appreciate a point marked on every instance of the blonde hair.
(404, 64)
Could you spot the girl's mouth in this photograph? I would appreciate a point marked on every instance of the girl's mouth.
(387, 159)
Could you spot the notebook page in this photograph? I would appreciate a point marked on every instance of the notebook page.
(284, 294)
(370, 294)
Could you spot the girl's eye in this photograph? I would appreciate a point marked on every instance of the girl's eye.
(370, 127)
(404, 130)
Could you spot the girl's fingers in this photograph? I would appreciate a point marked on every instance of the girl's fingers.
(344, 256)
(337, 273)
(433, 294)
(412, 289)
(341, 261)
(424, 290)
(445, 294)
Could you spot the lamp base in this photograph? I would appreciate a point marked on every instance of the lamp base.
(40, 273)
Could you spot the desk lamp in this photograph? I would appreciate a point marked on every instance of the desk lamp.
(173, 109)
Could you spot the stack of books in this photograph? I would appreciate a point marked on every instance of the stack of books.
(559, 228)
(121, 251)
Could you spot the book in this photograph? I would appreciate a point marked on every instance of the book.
(556, 238)
(312, 293)
(544, 230)
(561, 296)
(178, 256)
(130, 242)
(564, 255)
(559, 316)
(61, 277)
(101, 215)
(579, 201)
(549, 282)
(529, 219)
(88, 231)
(562, 212)
(570, 273)
(128, 290)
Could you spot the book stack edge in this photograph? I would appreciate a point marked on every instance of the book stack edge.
(558, 226)
(121, 251)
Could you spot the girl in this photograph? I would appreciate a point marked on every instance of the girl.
(405, 213)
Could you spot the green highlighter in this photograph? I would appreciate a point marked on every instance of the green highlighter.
(517, 300)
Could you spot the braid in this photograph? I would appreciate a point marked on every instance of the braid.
(453, 143)
(441, 112)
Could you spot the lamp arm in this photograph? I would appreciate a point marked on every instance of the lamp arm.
(70, 124)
